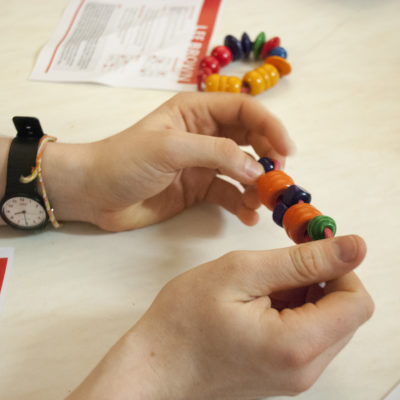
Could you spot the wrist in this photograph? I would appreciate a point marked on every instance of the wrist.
(4, 149)
(125, 373)
(66, 172)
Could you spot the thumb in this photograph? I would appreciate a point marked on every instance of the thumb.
(301, 265)
(197, 150)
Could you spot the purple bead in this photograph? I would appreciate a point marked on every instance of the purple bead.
(234, 46)
(267, 163)
(278, 51)
(279, 212)
(294, 194)
(246, 45)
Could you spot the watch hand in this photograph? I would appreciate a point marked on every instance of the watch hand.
(21, 212)
(26, 222)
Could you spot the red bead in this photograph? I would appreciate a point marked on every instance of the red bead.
(201, 78)
(223, 54)
(212, 63)
(269, 45)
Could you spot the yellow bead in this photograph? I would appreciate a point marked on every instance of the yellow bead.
(273, 73)
(234, 84)
(212, 83)
(264, 72)
(223, 83)
(255, 81)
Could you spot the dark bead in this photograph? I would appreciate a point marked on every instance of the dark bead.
(278, 51)
(246, 45)
(267, 163)
(278, 213)
(295, 194)
(235, 47)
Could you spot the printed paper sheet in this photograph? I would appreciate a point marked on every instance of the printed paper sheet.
(133, 43)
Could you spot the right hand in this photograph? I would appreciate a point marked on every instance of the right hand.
(213, 332)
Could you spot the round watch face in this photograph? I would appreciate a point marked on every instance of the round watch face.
(24, 212)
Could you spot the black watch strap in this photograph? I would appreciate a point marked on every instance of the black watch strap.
(22, 155)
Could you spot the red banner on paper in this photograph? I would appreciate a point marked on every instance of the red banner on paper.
(199, 44)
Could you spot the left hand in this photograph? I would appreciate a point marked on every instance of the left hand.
(167, 162)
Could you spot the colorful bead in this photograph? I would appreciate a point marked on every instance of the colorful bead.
(278, 213)
(317, 226)
(223, 54)
(235, 46)
(267, 163)
(212, 63)
(254, 82)
(201, 78)
(271, 186)
(296, 220)
(222, 83)
(258, 44)
(269, 45)
(295, 194)
(280, 64)
(262, 78)
(278, 51)
(246, 45)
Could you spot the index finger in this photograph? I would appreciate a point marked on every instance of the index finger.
(236, 116)
(262, 129)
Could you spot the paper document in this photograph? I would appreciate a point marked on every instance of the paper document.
(394, 394)
(153, 44)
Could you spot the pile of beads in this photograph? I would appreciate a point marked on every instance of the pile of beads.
(291, 205)
(253, 82)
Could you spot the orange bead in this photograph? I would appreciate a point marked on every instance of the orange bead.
(280, 64)
(223, 83)
(271, 186)
(296, 219)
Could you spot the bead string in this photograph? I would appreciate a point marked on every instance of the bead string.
(253, 82)
(291, 205)
(37, 173)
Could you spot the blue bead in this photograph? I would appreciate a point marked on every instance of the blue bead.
(267, 163)
(246, 45)
(293, 194)
(278, 51)
(234, 46)
(279, 212)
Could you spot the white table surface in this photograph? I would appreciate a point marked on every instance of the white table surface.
(72, 293)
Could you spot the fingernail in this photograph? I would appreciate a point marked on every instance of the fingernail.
(346, 248)
(253, 168)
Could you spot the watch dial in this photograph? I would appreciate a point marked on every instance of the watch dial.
(24, 212)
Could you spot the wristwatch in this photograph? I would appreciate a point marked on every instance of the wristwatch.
(22, 207)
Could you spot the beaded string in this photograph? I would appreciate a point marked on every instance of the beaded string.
(37, 173)
(291, 205)
(253, 82)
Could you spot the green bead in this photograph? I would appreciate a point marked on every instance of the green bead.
(317, 226)
(258, 44)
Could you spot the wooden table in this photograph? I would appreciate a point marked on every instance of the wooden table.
(72, 293)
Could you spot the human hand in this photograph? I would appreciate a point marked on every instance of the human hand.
(213, 333)
(167, 162)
